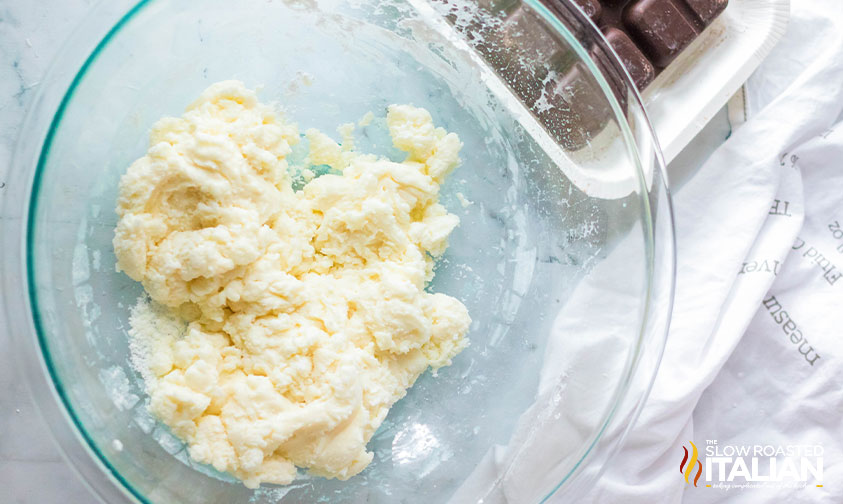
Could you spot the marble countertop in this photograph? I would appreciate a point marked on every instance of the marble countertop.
(32, 471)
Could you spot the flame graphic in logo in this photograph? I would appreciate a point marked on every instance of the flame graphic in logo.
(687, 470)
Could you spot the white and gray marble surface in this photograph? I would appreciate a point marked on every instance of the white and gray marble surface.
(32, 470)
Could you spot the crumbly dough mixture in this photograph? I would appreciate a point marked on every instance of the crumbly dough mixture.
(304, 313)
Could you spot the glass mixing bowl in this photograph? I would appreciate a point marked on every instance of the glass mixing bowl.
(564, 259)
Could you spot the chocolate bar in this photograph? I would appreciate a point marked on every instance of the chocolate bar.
(546, 74)
(648, 34)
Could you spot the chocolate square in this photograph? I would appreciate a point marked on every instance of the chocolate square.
(639, 67)
(660, 26)
(591, 8)
(707, 10)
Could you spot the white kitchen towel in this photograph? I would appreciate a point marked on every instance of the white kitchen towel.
(754, 357)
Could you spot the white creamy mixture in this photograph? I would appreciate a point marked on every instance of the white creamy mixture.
(293, 319)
